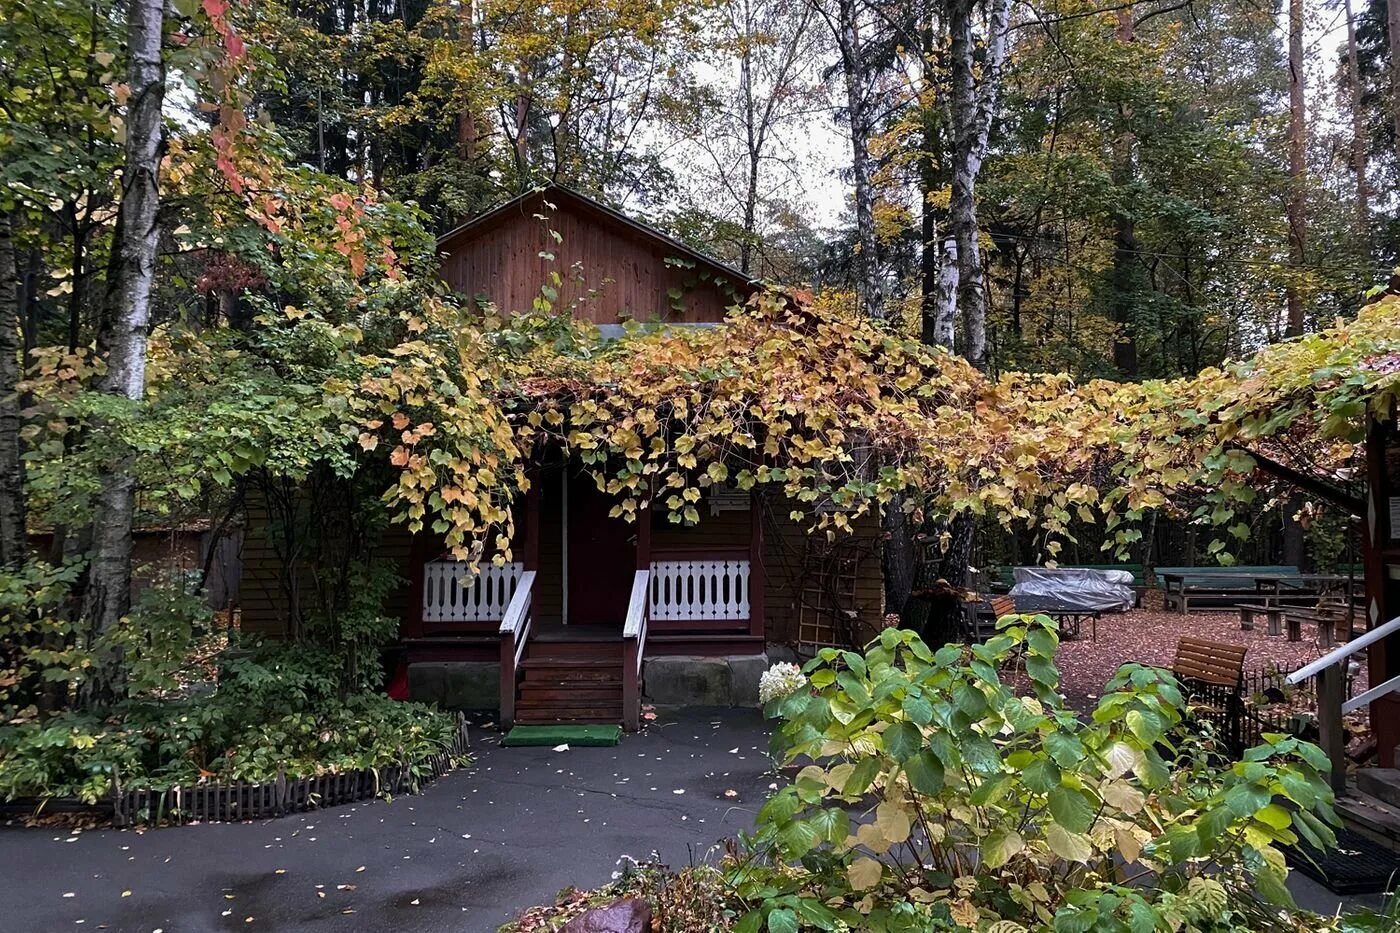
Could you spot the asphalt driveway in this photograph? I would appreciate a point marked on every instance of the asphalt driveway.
(466, 855)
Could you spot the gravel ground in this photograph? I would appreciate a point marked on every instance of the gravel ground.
(1150, 637)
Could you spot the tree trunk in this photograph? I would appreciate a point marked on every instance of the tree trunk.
(862, 166)
(946, 301)
(973, 106)
(1358, 133)
(1297, 166)
(14, 546)
(1293, 537)
(1393, 29)
(1125, 242)
(122, 338)
(466, 119)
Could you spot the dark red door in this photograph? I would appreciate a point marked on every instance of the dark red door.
(602, 556)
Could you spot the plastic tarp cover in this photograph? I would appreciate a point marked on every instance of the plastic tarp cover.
(1092, 589)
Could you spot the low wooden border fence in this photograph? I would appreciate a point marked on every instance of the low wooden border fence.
(243, 800)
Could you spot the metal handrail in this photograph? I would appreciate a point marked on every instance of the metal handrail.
(637, 605)
(1375, 693)
(1338, 655)
(634, 641)
(515, 609)
(515, 635)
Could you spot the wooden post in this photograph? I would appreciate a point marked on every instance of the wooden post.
(1295, 628)
(1380, 551)
(631, 687)
(644, 535)
(1331, 687)
(507, 681)
(757, 572)
(533, 505)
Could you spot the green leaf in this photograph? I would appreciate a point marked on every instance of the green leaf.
(918, 709)
(861, 777)
(1072, 847)
(1071, 809)
(925, 772)
(903, 741)
(1042, 776)
(1067, 750)
(782, 920)
(832, 824)
(1000, 845)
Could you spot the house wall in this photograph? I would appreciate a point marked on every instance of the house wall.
(808, 574)
(610, 273)
(265, 605)
(803, 571)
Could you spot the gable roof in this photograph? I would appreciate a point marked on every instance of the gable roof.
(525, 205)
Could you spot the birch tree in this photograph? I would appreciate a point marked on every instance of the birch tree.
(973, 101)
(858, 69)
(122, 337)
(14, 545)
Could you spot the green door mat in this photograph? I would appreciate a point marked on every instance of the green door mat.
(563, 734)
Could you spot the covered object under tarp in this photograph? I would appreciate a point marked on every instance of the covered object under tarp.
(1102, 590)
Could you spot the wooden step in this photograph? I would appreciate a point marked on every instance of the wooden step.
(577, 714)
(574, 651)
(1370, 816)
(565, 694)
(1381, 783)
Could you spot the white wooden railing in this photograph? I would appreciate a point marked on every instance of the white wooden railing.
(515, 635)
(699, 590)
(634, 649)
(452, 593)
(1330, 692)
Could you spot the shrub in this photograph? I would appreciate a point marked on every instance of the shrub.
(273, 708)
(940, 796)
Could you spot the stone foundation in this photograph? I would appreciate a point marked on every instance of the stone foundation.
(701, 681)
(464, 685)
(666, 681)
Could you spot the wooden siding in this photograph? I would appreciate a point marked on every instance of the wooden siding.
(800, 565)
(611, 272)
(265, 609)
(788, 555)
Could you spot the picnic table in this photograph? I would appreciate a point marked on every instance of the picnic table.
(1227, 587)
(1068, 615)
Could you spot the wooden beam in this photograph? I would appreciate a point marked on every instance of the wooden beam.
(1353, 505)
(756, 568)
(533, 505)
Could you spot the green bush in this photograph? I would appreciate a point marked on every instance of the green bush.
(953, 789)
(272, 708)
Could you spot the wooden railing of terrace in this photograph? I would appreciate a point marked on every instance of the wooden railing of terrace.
(515, 635)
(634, 645)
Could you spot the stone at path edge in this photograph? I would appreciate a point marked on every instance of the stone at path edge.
(632, 915)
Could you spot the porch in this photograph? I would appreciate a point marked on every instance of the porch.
(588, 598)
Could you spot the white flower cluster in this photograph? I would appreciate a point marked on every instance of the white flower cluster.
(780, 680)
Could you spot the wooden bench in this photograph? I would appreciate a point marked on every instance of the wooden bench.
(1221, 587)
(1326, 618)
(978, 626)
(1273, 613)
(1212, 673)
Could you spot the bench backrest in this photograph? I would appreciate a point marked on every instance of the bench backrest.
(1003, 606)
(1210, 661)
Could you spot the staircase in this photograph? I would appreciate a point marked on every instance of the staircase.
(1371, 805)
(571, 676)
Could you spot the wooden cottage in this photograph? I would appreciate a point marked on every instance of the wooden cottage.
(595, 613)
